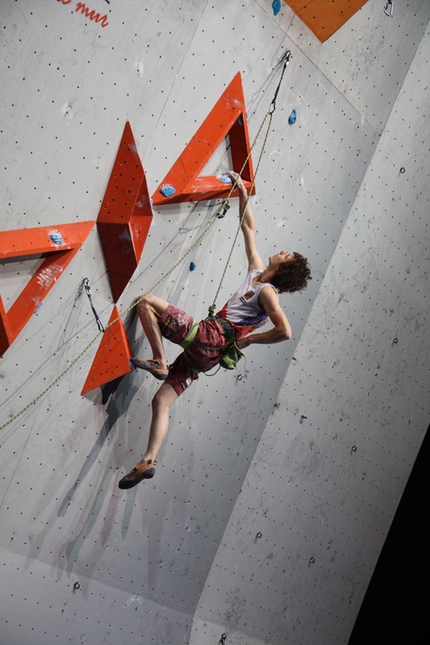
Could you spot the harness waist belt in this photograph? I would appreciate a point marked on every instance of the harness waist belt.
(228, 330)
(190, 336)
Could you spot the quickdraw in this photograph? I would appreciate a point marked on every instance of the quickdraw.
(86, 284)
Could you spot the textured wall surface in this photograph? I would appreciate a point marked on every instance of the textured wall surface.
(277, 483)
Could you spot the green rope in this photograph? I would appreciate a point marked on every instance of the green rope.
(122, 314)
(224, 207)
(286, 59)
(268, 115)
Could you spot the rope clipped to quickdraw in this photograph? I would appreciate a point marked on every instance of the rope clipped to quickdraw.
(225, 205)
(221, 212)
(86, 285)
(287, 57)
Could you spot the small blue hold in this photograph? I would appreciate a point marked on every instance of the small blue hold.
(167, 191)
(276, 6)
(240, 120)
(226, 179)
(292, 118)
(192, 266)
(56, 238)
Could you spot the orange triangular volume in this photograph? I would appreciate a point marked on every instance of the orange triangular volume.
(324, 17)
(227, 118)
(125, 215)
(113, 355)
(57, 245)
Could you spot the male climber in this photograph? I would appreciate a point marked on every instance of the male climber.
(250, 307)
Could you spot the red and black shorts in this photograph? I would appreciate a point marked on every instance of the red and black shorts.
(201, 355)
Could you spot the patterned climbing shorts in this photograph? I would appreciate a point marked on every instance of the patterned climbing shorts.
(203, 354)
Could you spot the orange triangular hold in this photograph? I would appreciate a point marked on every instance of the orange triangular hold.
(227, 118)
(125, 215)
(57, 245)
(113, 355)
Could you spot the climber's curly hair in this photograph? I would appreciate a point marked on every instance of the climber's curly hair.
(292, 276)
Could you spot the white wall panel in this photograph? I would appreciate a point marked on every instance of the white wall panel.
(144, 557)
(368, 58)
(45, 606)
(329, 471)
(72, 84)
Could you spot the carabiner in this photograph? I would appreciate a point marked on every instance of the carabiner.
(221, 212)
(389, 9)
(86, 285)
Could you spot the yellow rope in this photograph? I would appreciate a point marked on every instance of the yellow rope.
(84, 351)
(181, 259)
(268, 115)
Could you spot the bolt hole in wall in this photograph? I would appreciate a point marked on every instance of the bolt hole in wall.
(165, 530)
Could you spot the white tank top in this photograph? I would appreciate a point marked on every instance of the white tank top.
(243, 309)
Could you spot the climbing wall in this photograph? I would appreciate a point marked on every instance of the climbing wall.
(277, 483)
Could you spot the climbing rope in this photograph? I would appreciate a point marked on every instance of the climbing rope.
(218, 215)
(101, 331)
(287, 57)
(269, 115)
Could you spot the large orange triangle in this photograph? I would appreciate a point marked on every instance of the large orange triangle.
(57, 245)
(113, 355)
(227, 118)
(125, 215)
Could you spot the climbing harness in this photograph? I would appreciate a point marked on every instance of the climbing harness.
(86, 285)
(233, 350)
(190, 336)
(232, 353)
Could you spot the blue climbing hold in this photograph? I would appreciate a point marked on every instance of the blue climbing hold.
(56, 238)
(276, 6)
(292, 118)
(192, 266)
(226, 179)
(167, 190)
(240, 120)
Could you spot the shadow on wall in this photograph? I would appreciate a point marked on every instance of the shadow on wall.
(119, 395)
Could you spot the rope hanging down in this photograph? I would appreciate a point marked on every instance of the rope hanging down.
(219, 214)
(225, 205)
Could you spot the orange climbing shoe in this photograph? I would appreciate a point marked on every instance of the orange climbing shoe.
(143, 470)
(151, 366)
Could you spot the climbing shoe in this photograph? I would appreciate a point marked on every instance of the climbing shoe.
(143, 470)
(151, 366)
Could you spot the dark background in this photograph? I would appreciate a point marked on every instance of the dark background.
(396, 607)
